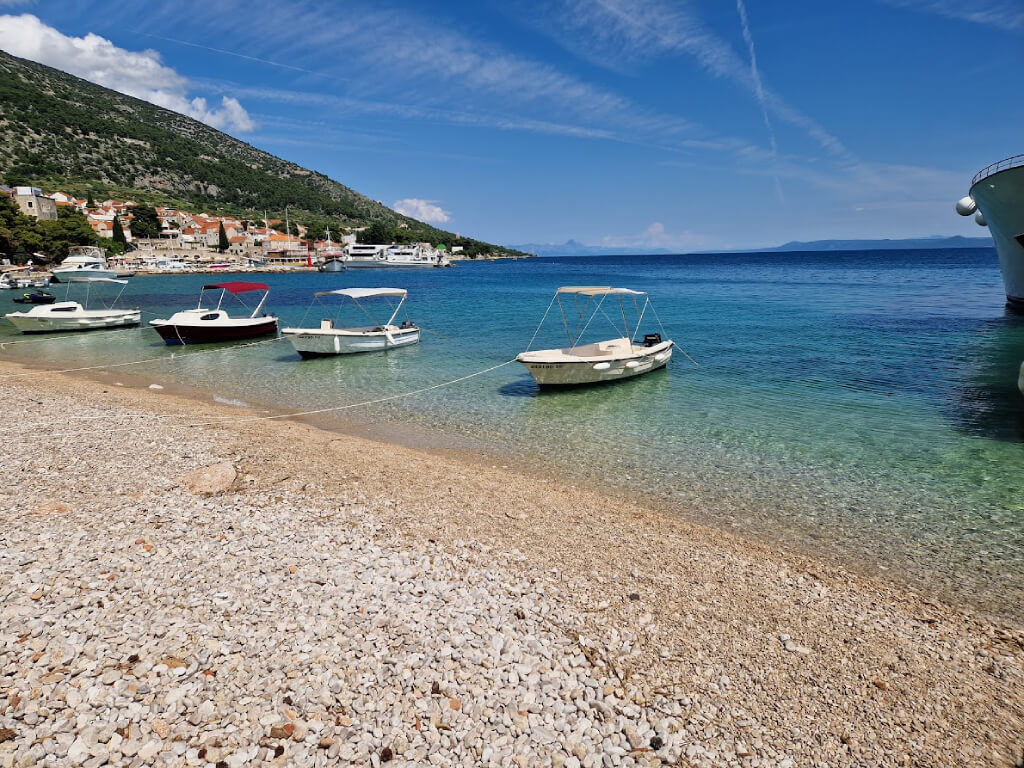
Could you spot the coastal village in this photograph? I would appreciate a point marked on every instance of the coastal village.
(191, 241)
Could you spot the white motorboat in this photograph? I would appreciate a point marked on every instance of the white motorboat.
(204, 325)
(332, 339)
(607, 360)
(22, 280)
(83, 261)
(72, 316)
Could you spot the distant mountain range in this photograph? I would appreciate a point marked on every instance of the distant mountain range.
(573, 248)
(935, 241)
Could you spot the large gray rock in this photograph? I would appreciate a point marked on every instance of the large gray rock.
(211, 480)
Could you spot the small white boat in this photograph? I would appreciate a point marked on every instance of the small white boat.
(608, 360)
(205, 325)
(83, 261)
(21, 281)
(72, 316)
(331, 339)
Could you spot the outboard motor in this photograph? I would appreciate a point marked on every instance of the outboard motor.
(650, 339)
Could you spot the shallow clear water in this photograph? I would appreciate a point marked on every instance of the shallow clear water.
(858, 405)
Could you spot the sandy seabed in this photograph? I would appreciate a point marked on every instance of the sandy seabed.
(260, 591)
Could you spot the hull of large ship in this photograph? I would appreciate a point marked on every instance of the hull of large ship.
(1000, 198)
(386, 264)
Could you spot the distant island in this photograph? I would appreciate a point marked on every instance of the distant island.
(573, 248)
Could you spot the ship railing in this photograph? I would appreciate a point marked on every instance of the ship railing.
(1002, 165)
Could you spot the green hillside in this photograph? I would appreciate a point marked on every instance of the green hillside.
(58, 131)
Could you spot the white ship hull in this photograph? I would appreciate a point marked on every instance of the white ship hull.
(318, 342)
(999, 195)
(69, 316)
(390, 263)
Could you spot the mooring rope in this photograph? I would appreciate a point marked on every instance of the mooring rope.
(173, 356)
(234, 419)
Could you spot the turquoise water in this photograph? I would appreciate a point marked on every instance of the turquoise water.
(861, 406)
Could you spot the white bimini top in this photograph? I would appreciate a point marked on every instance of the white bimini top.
(365, 293)
(599, 290)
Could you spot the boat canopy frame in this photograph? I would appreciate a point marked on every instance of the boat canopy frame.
(89, 282)
(588, 302)
(235, 288)
(356, 295)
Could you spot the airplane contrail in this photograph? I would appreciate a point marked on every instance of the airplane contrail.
(232, 53)
(759, 89)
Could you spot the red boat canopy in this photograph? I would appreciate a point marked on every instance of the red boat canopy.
(238, 287)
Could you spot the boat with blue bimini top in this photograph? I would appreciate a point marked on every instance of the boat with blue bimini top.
(204, 325)
(600, 361)
(330, 338)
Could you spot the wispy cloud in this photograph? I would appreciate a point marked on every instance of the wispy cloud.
(135, 73)
(506, 89)
(656, 236)
(1002, 14)
(611, 29)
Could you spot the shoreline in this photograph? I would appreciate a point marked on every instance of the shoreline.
(677, 616)
(707, 508)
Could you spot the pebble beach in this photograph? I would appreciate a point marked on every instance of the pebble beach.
(251, 592)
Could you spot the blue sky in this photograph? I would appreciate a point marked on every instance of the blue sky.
(685, 124)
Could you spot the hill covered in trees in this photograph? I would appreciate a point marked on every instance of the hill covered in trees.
(58, 131)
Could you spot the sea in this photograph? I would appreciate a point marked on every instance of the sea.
(860, 407)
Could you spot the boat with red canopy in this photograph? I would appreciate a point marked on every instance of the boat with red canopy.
(210, 324)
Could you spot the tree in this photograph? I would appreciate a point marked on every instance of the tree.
(120, 242)
(70, 228)
(90, 203)
(145, 222)
(222, 239)
(316, 231)
(377, 232)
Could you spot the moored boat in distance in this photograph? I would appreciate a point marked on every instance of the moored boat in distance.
(996, 200)
(73, 316)
(601, 361)
(377, 256)
(332, 339)
(35, 297)
(83, 261)
(332, 259)
(212, 324)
